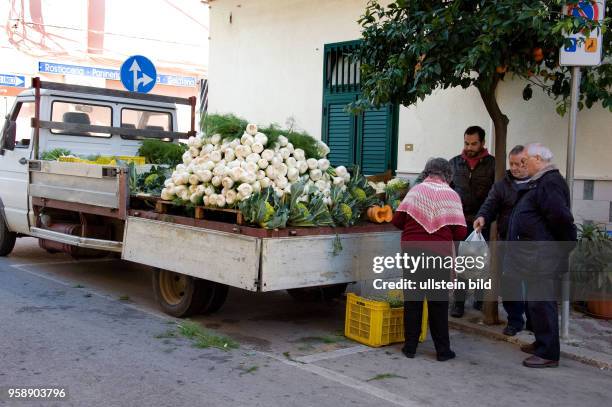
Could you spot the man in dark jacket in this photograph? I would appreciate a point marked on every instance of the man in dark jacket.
(541, 233)
(498, 207)
(473, 176)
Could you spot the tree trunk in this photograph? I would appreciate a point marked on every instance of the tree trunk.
(500, 123)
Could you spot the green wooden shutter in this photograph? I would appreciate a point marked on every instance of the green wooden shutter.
(368, 139)
(374, 134)
(340, 133)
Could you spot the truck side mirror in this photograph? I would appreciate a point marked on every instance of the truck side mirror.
(8, 137)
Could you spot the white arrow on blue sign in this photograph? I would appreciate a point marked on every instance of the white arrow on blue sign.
(16, 81)
(138, 74)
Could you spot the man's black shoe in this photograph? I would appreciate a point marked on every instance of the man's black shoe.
(458, 310)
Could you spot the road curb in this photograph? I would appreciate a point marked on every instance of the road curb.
(586, 356)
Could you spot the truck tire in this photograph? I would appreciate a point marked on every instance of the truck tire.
(321, 293)
(181, 295)
(7, 238)
(218, 298)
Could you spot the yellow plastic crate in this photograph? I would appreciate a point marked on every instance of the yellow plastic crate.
(65, 159)
(135, 159)
(375, 323)
(105, 160)
(100, 161)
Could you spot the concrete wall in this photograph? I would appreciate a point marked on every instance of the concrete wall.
(268, 61)
(593, 202)
(267, 65)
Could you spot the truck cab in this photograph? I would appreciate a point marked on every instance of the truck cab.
(83, 120)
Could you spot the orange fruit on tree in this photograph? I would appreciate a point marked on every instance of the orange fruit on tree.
(538, 54)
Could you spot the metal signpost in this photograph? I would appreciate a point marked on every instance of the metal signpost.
(578, 51)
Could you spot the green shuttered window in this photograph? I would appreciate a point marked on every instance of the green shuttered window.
(368, 139)
(339, 133)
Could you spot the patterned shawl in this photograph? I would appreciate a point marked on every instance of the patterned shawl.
(433, 204)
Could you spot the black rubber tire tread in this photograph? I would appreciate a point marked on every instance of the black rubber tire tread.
(7, 238)
(218, 298)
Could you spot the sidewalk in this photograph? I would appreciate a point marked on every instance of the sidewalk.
(590, 340)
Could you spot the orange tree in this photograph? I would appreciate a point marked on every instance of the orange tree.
(412, 47)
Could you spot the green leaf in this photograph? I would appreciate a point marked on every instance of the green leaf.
(162, 152)
(463, 38)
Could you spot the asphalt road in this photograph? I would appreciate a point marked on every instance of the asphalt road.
(93, 328)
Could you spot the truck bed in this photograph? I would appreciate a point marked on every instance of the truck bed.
(241, 256)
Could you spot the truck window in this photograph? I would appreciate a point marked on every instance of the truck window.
(145, 120)
(83, 113)
(23, 121)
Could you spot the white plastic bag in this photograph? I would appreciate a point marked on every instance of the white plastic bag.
(473, 258)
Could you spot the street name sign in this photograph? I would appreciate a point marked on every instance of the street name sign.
(110, 74)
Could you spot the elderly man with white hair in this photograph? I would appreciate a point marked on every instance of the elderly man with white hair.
(540, 234)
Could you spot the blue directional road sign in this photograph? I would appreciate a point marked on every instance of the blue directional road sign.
(138, 74)
(16, 81)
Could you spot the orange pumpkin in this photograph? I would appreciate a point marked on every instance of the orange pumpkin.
(379, 214)
(369, 212)
(387, 213)
(373, 214)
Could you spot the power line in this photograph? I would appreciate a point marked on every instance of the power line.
(31, 23)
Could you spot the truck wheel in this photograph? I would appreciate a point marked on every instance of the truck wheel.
(7, 238)
(218, 298)
(180, 295)
(311, 294)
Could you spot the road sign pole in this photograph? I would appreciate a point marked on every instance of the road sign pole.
(569, 176)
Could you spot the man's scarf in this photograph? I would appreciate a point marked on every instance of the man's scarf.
(473, 161)
(433, 204)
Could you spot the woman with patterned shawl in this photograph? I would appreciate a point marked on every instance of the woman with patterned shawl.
(431, 219)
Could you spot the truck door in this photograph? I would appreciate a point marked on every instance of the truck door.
(14, 169)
